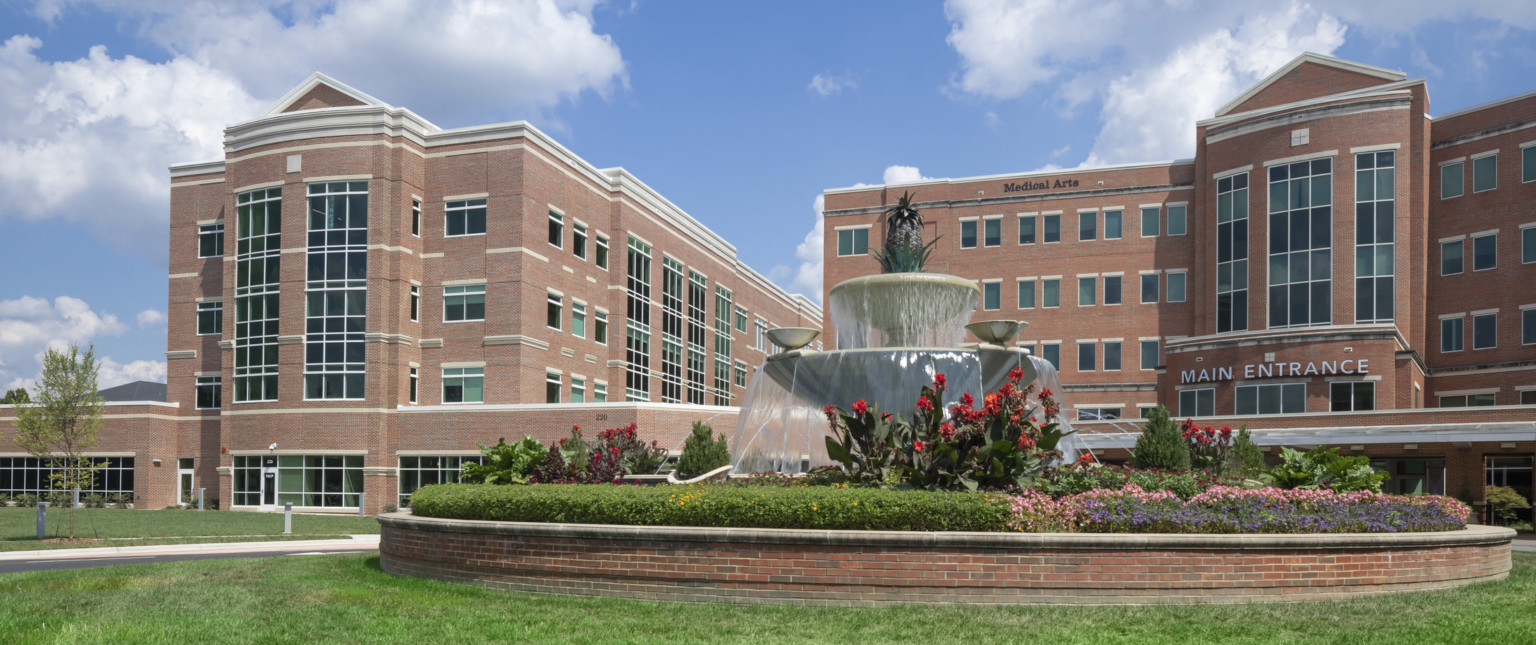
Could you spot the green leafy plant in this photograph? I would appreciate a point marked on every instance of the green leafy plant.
(703, 451)
(93, 501)
(904, 250)
(574, 450)
(635, 456)
(1161, 445)
(505, 463)
(1505, 503)
(1210, 447)
(27, 500)
(120, 500)
(1323, 467)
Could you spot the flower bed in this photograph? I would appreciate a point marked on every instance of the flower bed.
(1220, 509)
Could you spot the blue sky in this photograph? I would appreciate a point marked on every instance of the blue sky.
(740, 113)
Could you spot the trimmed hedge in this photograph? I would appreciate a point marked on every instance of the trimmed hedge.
(713, 505)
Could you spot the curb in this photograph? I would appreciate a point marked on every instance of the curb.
(355, 542)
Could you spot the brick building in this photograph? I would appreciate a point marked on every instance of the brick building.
(1335, 266)
(358, 297)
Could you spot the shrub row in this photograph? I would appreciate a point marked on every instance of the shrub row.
(712, 505)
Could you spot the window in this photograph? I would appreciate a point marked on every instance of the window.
(600, 393)
(1467, 401)
(1374, 236)
(257, 259)
(637, 323)
(1197, 403)
(1027, 230)
(1485, 329)
(209, 395)
(968, 234)
(1176, 290)
(1149, 220)
(33, 476)
(556, 229)
(578, 390)
(741, 374)
(315, 481)
(1528, 397)
(1052, 228)
(464, 303)
(1113, 224)
(1300, 244)
(210, 241)
(992, 231)
(1528, 164)
(1026, 294)
(1051, 352)
(419, 472)
(415, 385)
(1097, 414)
(1087, 292)
(1485, 173)
(698, 297)
(741, 320)
(1111, 356)
(760, 335)
(551, 387)
(1513, 472)
(1050, 293)
(1112, 289)
(671, 330)
(1450, 257)
(579, 240)
(1452, 180)
(600, 327)
(1277, 398)
(601, 258)
(991, 296)
(1528, 326)
(1087, 226)
(1485, 252)
(210, 318)
(1087, 357)
(853, 241)
(578, 319)
(723, 308)
(415, 303)
(1231, 255)
(1149, 358)
(555, 310)
(1528, 240)
(463, 385)
(464, 217)
(1451, 334)
(1149, 287)
(336, 294)
(416, 217)
(1178, 219)
(1351, 396)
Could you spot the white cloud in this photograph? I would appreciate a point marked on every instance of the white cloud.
(151, 318)
(829, 84)
(29, 325)
(902, 175)
(88, 140)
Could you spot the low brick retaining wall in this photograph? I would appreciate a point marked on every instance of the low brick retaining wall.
(782, 566)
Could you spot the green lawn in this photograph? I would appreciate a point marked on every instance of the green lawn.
(18, 526)
(348, 599)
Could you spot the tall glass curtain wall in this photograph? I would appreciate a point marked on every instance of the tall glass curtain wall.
(698, 295)
(1374, 235)
(336, 291)
(637, 343)
(1232, 253)
(1301, 244)
(258, 249)
(671, 330)
(723, 308)
(33, 476)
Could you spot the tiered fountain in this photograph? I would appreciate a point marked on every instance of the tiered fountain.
(895, 331)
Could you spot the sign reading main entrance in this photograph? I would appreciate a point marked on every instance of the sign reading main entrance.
(1272, 370)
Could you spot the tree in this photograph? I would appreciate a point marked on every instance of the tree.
(703, 451)
(1160, 445)
(61, 423)
(15, 397)
(1247, 460)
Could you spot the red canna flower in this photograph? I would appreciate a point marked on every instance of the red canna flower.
(860, 407)
(1045, 392)
(939, 382)
(830, 411)
(1016, 374)
(966, 401)
(924, 404)
(947, 430)
(917, 446)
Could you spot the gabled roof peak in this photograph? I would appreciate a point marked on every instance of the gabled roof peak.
(315, 80)
(1387, 75)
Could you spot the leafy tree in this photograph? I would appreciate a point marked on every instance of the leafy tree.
(60, 425)
(1160, 445)
(1247, 460)
(1505, 504)
(703, 451)
(15, 397)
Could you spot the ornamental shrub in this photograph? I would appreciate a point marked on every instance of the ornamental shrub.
(719, 506)
(1209, 447)
(1505, 503)
(634, 456)
(1323, 467)
(505, 463)
(27, 500)
(1245, 458)
(703, 451)
(1160, 445)
(1083, 477)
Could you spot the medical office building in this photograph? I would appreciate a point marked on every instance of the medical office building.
(1335, 266)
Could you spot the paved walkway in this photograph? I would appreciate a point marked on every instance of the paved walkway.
(55, 559)
(1525, 544)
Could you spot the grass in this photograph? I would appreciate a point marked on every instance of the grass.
(18, 526)
(346, 598)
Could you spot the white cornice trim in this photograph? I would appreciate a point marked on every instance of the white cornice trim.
(1484, 106)
(1390, 89)
(315, 80)
(1309, 57)
(1014, 175)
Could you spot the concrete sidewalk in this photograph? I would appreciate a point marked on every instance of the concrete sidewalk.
(1524, 544)
(351, 543)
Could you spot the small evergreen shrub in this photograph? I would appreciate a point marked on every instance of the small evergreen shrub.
(27, 500)
(703, 451)
(1161, 444)
(1246, 458)
(93, 501)
(1505, 504)
(59, 499)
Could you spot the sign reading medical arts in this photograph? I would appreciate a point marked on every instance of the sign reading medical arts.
(1026, 186)
(1279, 369)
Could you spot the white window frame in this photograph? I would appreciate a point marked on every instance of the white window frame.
(556, 225)
(1461, 241)
(1479, 157)
(415, 303)
(467, 290)
(466, 205)
(852, 232)
(216, 228)
(416, 216)
(1461, 336)
(1034, 292)
(973, 221)
(557, 301)
(1461, 190)
(463, 373)
(982, 232)
(215, 306)
(215, 382)
(995, 283)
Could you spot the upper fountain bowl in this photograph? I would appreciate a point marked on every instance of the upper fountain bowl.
(907, 309)
(792, 338)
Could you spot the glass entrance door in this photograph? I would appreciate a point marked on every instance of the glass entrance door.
(268, 483)
(185, 482)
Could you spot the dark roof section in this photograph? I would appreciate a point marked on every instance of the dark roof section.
(135, 391)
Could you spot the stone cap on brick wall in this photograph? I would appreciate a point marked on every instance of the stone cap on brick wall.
(1472, 535)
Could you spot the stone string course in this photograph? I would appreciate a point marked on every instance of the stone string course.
(867, 568)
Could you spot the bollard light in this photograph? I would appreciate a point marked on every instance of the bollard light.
(287, 517)
(361, 499)
(42, 519)
(77, 498)
(200, 492)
